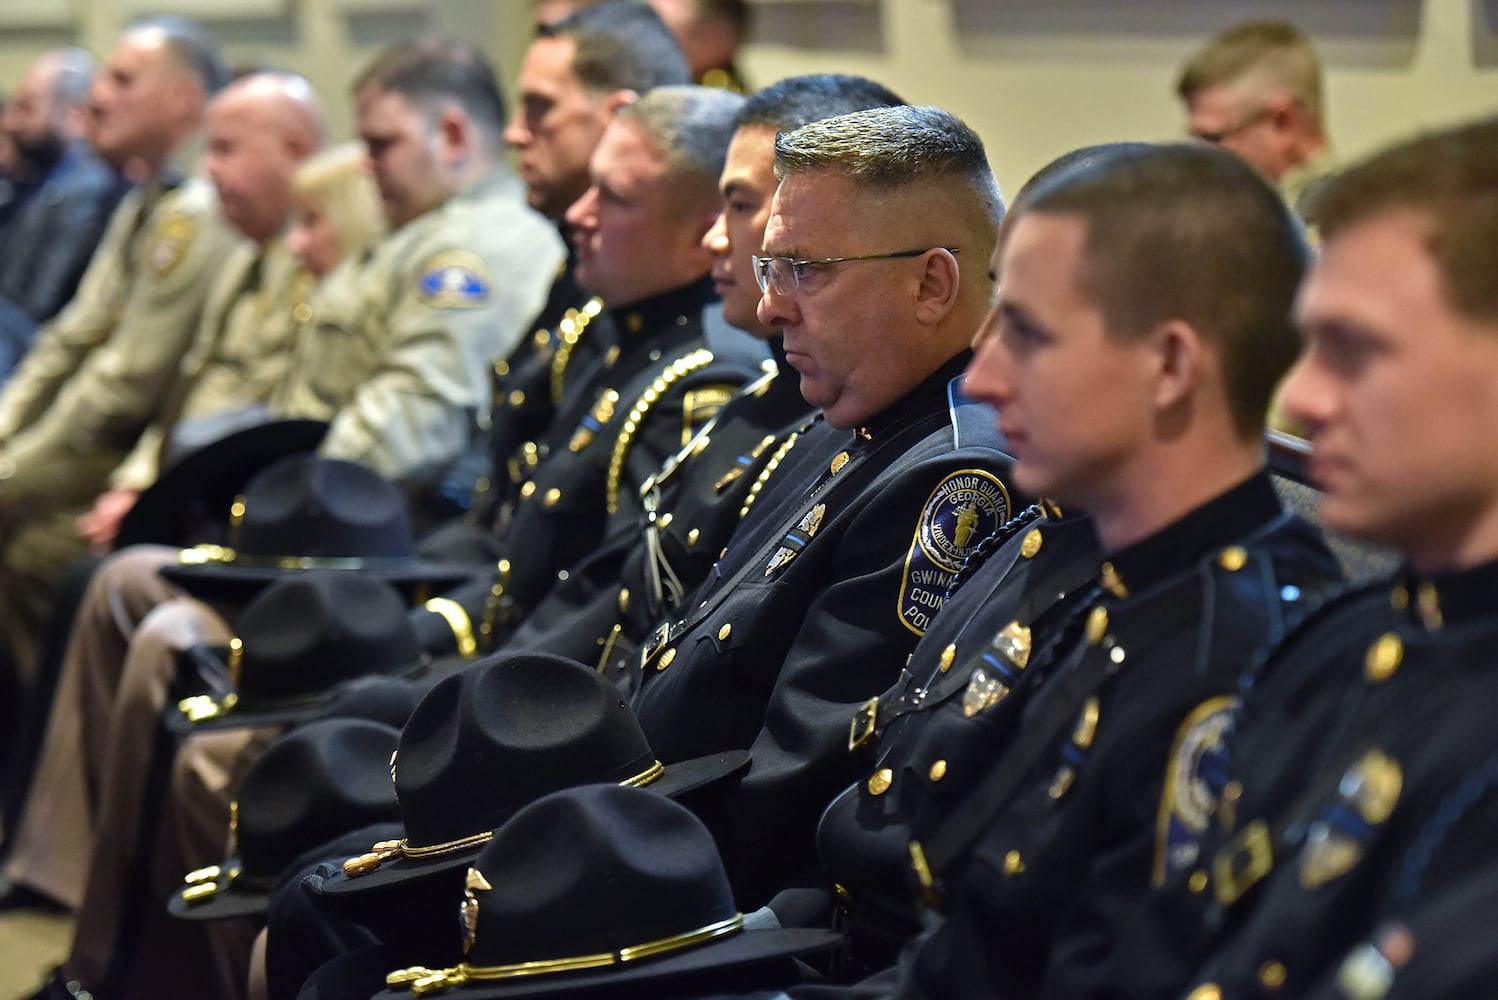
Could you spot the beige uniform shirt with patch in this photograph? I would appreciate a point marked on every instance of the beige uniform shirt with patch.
(440, 299)
(241, 352)
(97, 372)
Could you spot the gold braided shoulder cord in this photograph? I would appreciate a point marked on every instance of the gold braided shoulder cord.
(675, 372)
(767, 472)
(570, 330)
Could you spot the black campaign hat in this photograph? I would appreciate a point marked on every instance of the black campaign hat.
(307, 512)
(598, 887)
(494, 737)
(296, 641)
(319, 781)
(202, 484)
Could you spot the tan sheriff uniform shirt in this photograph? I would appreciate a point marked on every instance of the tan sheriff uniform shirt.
(97, 372)
(241, 351)
(437, 302)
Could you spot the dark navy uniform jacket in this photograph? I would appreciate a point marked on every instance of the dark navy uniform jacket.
(631, 409)
(1353, 852)
(611, 600)
(1138, 666)
(48, 236)
(814, 607)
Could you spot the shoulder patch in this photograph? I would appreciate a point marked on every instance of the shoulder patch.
(965, 508)
(1194, 778)
(168, 243)
(454, 279)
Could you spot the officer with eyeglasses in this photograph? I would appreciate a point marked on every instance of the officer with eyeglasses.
(860, 521)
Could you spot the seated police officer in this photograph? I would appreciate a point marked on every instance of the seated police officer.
(1351, 854)
(1025, 774)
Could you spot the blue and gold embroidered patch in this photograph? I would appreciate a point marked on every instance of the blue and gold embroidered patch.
(964, 509)
(1194, 780)
(454, 279)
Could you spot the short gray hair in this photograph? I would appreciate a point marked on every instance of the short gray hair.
(891, 148)
(692, 125)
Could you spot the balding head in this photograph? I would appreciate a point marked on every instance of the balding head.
(260, 129)
(45, 115)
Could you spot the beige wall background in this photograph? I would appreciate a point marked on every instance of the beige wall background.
(1034, 77)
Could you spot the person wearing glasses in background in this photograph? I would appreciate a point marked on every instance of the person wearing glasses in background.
(1255, 90)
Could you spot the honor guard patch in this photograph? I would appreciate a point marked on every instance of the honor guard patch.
(964, 509)
(455, 279)
(169, 242)
(1194, 780)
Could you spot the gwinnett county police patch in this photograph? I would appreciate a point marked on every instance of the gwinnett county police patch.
(455, 279)
(1194, 780)
(964, 509)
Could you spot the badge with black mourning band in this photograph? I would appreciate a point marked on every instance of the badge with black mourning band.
(299, 640)
(964, 509)
(494, 737)
(1366, 797)
(304, 513)
(796, 539)
(316, 783)
(601, 888)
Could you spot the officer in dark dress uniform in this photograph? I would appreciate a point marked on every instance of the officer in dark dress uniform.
(1351, 851)
(860, 521)
(1021, 766)
(611, 600)
(643, 398)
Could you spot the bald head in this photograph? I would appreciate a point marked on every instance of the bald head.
(260, 129)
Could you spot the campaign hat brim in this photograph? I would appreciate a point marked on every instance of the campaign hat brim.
(747, 947)
(215, 474)
(230, 901)
(677, 780)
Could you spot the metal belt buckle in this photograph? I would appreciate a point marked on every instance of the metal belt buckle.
(1242, 862)
(865, 724)
(657, 642)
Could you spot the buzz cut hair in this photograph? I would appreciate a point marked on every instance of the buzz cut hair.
(1151, 255)
(1447, 179)
(1274, 52)
(691, 125)
(798, 100)
(621, 45)
(892, 147)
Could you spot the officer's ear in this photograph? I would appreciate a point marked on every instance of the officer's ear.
(455, 130)
(1180, 358)
(616, 99)
(937, 293)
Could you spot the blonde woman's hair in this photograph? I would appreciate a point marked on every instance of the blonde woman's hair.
(337, 180)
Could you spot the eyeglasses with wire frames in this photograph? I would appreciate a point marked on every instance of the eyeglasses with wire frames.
(784, 274)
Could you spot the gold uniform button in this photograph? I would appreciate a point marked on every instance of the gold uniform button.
(1206, 991)
(880, 781)
(1013, 864)
(528, 490)
(724, 633)
(1233, 558)
(1097, 625)
(624, 600)
(1197, 883)
(1272, 974)
(1383, 658)
(948, 656)
(517, 399)
(552, 496)
(938, 770)
(692, 537)
(666, 658)
(665, 520)
(838, 461)
(302, 313)
(1031, 545)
